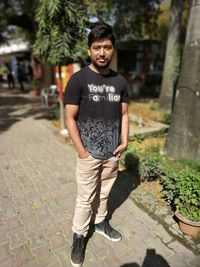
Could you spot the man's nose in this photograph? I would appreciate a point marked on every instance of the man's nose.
(102, 51)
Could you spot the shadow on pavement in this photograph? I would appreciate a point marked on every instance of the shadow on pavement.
(151, 260)
(15, 107)
(125, 183)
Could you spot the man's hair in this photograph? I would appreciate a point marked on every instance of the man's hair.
(101, 31)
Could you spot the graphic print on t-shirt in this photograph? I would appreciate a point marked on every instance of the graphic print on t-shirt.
(99, 136)
(103, 93)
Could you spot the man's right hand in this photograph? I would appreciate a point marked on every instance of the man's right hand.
(83, 154)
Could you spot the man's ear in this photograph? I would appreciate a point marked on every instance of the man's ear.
(88, 52)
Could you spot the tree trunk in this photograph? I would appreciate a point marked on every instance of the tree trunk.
(183, 140)
(172, 57)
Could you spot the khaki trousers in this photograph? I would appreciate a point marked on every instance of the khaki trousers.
(95, 178)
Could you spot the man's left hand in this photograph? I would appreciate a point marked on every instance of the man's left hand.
(120, 149)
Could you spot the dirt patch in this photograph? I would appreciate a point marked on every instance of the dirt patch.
(147, 110)
(155, 189)
(148, 142)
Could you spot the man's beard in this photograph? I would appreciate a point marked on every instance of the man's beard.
(101, 66)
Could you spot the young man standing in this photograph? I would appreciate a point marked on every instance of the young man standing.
(97, 120)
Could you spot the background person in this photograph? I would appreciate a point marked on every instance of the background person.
(10, 77)
(20, 76)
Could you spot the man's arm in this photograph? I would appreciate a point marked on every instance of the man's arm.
(124, 130)
(71, 112)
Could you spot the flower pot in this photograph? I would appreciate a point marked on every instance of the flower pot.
(186, 226)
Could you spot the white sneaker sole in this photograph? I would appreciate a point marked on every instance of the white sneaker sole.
(109, 238)
(76, 264)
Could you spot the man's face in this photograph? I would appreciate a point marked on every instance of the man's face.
(101, 53)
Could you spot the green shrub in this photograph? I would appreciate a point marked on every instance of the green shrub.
(153, 106)
(150, 165)
(182, 189)
(180, 179)
(190, 164)
(167, 117)
(137, 137)
(145, 162)
(149, 168)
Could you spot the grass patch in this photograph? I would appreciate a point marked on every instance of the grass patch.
(149, 110)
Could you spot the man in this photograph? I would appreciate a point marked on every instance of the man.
(10, 78)
(97, 120)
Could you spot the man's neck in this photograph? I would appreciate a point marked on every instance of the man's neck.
(105, 70)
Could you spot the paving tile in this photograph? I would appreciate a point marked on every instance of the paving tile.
(162, 233)
(9, 212)
(64, 255)
(22, 255)
(181, 250)
(49, 226)
(177, 261)
(5, 253)
(194, 261)
(17, 238)
(13, 223)
(57, 239)
(36, 238)
(50, 261)
(144, 232)
(9, 263)
(42, 214)
(3, 237)
(32, 263)
(159, 247)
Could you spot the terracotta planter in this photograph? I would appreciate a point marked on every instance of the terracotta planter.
(188, 227)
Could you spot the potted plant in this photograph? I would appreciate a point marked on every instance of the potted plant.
(182, 190)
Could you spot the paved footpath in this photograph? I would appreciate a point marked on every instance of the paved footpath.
(37, 197)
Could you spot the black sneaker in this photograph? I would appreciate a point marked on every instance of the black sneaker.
(77, 252)
(106, 230)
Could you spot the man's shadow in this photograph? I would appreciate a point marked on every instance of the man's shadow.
(151, 260)
(127, 181)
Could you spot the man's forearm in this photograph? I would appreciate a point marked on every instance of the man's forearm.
(75, 135)
(124, 129)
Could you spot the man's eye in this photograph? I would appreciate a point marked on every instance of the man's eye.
(108, 47)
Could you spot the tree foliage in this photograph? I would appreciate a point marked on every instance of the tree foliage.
(139, 18)
(61, 35)
(18, 13)
(131, 19)
(100, 9)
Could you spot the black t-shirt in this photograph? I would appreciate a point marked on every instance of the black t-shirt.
(99, 98)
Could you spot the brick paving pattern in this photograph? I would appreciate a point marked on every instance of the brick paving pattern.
(37, 197)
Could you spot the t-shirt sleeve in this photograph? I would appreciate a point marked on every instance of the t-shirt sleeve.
(73, 91)
(124, 94)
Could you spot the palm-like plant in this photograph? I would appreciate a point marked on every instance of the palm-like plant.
(61, 35)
